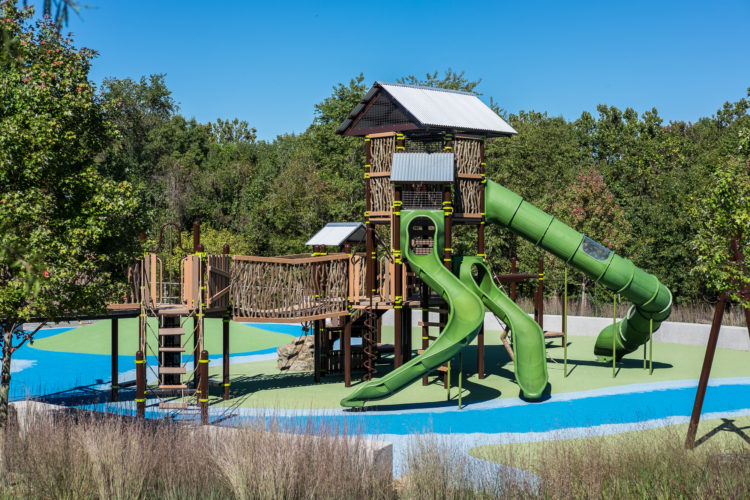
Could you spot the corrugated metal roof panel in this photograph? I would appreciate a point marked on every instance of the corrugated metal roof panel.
(422, 167)
(336, 233)
(443, 108)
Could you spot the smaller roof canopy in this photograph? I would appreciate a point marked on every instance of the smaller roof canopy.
(338, 233)
(422, 167)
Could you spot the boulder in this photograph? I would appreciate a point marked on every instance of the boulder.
(297, 356)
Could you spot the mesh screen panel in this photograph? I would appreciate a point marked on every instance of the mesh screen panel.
(382, 112)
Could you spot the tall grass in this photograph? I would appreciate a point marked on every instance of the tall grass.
(640, 465)
(88, 456)
(85, 456)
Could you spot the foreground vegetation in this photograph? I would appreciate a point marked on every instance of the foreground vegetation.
(644, 464)
(84, 456)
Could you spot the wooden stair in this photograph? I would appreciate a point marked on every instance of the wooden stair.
(171, 331)
(172, 370)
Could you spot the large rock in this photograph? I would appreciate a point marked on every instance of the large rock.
(298, 356)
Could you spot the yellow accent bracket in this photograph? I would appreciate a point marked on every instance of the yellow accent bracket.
(140, 400)
(203, 400)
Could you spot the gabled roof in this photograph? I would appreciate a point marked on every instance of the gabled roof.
(422, 167)
(337, 233)
(389, 107)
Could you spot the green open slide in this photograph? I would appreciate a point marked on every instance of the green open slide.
(466, 297)
(529, 351)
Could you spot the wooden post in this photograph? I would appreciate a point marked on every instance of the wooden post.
(225, 353)
(481, 253)
(406, 315)
(347, 348)
(196, 351)
(316, 349)
(114, 396)
(447, 211)
(370, 270)
(140, 385)
(204, 387)
(513, 270)
(424, 302)
(713, 338)
(398, 299)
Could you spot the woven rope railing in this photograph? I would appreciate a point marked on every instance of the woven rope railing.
(289, 289)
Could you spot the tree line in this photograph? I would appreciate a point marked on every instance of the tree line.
(629, 180)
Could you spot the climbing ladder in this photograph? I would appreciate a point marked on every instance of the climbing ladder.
(167, 343)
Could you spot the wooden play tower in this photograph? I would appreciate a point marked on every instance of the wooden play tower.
(424, 150)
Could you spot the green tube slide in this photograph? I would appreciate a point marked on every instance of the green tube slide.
(466, 309)
(652, 301)
(529, 351)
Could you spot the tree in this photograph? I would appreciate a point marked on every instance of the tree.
(67, 230)
(451, 80)
(724, 215)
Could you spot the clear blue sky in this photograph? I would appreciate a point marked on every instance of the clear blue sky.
(270, 62)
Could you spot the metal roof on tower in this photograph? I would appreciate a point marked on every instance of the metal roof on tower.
(396, 107)
(422, 167)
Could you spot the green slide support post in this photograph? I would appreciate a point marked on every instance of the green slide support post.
(464, 319)
(529, 351)
(652, 301)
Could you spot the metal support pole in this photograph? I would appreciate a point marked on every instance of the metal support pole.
(203, 396)
(713, 338)
(565, 324)
(614, 336)
(448, 382)
(114, 395)
(140, 385)
(480, 351)
(460, 376)
(651, 346)
(540, 291)
(225, 353)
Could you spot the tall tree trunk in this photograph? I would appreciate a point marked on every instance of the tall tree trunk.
(5, 374)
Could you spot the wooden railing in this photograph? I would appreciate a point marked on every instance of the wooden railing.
(264, 289)
(292, 288)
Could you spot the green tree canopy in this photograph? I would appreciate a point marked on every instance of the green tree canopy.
(71, 229)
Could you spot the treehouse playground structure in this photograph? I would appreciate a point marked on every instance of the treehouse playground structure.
(424, 174)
